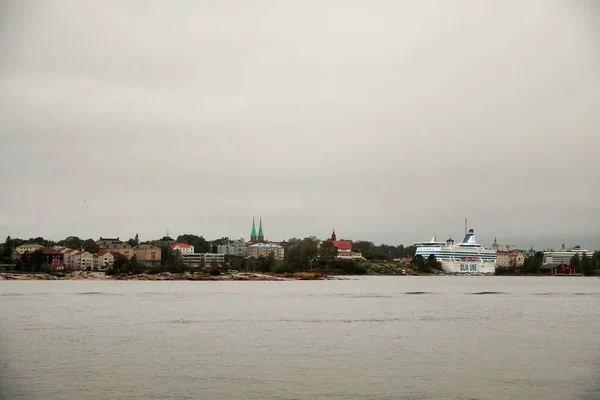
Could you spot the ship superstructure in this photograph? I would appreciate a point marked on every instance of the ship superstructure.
(466, 257)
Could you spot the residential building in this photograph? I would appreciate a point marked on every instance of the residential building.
(125, 250)
(83, 260)
(103, 260)
(110, 243)
(51, 256)
(28, 247)
(517, 258)
(183, 248)
(147, 253)
(234, 248)
(344, 248)
(68, 256)
(502, 258)
(265, 249)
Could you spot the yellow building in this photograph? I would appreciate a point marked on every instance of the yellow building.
(28, 248)
(145, 253)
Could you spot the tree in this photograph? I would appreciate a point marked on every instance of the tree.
(72, 242)
(596, 261)
(90, 246)
(120, 263)
(301, 255)
(433, 263)
(586, 265)
(35, 260)
(533, 263)
(575, 262)
(200, 244)
(270, 262)
(327, 250)
(7, 250)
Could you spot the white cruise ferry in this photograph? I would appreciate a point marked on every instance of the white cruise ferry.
(466, 257)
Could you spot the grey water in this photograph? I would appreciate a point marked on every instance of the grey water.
(365, 338)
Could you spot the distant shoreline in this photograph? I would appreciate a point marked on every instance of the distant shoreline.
(164, 276)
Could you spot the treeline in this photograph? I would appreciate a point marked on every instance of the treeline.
(585, 264)
(369, 250)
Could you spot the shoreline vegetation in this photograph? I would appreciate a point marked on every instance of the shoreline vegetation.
(165, 276)
(367, 269)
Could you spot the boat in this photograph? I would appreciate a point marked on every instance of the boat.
(465, 258)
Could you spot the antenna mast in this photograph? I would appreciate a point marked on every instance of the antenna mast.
(465, 226)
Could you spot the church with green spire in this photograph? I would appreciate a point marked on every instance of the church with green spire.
(254, 238)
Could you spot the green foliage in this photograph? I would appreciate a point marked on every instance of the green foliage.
(301, 255)
(72, 242)
(533, 263)
(200, 244)
(7, 250)
(35, 260)
(575, 263)
(587, 267)
(327, 251)
(90, 246)
(349, 267)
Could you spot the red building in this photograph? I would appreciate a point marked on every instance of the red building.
(51, 256)
(558, 269)
(344, 248)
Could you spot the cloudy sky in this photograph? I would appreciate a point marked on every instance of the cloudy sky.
(388, 120)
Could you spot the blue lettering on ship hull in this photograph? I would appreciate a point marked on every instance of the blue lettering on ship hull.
(468, 267)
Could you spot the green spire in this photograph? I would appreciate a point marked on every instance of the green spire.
(253, 234)
(260, 232)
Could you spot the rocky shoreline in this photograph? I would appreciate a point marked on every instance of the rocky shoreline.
(165, 276)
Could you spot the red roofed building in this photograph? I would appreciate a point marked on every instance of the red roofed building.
(344, 248)
(183, 247)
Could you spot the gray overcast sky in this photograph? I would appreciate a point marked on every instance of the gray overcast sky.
(388, 120)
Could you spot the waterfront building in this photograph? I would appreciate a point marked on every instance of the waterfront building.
(195, 260)
(558, 269)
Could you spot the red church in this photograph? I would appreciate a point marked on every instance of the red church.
(344, 248)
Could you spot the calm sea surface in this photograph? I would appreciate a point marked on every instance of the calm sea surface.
(368, 338)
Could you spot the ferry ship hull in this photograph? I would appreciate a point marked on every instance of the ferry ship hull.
(468, 267)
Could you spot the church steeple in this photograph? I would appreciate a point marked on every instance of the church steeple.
(253, 234)
(333, 236)
(261, 236)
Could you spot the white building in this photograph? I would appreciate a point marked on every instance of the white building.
(564, 256)
(235, 248)
(196, 259)
(264, 249)
(83, 259)
(103, 260)
(183, 248)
